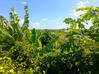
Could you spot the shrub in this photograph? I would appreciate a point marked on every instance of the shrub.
(23, 55)
(6, 64)
(77, 57)
(46, 37)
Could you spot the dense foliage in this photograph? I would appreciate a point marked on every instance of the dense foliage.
(25, 50)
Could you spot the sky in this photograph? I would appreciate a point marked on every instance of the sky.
(46, 14)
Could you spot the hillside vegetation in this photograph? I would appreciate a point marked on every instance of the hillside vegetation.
(50, 51)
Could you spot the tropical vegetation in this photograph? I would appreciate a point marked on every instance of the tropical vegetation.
(23, 50)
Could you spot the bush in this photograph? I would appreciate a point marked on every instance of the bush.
(23, 55)
(6, 64)
(77, 57)
(46, 37)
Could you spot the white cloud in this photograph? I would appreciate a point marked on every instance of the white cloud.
(21, 22)
(52, 21)
(80, 4)
(24, 2)
(61, 26)
(36, 24)
(44, 19)
(83, 4)
(87, 2)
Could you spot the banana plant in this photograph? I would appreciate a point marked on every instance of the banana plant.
(4, 25)
(26, 19)
(10, 31)
(6, 40)
(3, 21)
(14, 22)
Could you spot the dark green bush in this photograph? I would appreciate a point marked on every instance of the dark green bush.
(71, 63)
(76, 57)
(46, 37)
(23, 55)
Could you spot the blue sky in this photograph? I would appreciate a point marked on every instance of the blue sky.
(46, 14)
